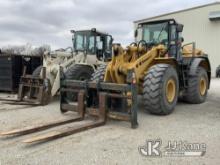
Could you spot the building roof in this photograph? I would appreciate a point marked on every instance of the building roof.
(179, 11)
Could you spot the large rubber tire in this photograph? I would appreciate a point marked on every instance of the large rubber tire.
(79, 72)
(193, 94)
(36, 72)
(155, 87)
(99, 74)
(47, 85)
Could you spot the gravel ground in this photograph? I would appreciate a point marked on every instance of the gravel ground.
(116, 142)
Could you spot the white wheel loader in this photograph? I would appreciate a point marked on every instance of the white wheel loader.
(91, 48)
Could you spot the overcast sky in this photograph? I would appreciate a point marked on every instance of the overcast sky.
(49, 21)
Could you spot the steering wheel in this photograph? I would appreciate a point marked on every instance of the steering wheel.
(143, 43)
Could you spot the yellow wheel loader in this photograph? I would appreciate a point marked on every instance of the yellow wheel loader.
(157, 66)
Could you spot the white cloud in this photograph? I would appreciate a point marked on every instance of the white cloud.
(49, 21)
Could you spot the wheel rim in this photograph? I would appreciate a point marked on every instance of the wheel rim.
(202, 86)
(171, 90)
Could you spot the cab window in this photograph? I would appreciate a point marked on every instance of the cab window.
(99, 43)
(155, 33)
(108, 43)
(80, 41)
(92, 44)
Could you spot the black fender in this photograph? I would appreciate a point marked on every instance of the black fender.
(203, 62)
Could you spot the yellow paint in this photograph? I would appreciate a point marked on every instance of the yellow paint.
(170, 90)
(139, 60)
(202, 86)
(131, 58)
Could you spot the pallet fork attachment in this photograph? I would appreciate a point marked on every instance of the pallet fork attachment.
(98, 119)
(90, 116)
(115, 93)
(32, 90)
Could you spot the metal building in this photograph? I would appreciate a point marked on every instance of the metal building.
(202, 25)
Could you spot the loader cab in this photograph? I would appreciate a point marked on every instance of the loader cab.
(166, 32)
(92, 42)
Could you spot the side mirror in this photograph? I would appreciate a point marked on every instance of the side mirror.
(72, 31)
(179, 28)
(135, 33)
